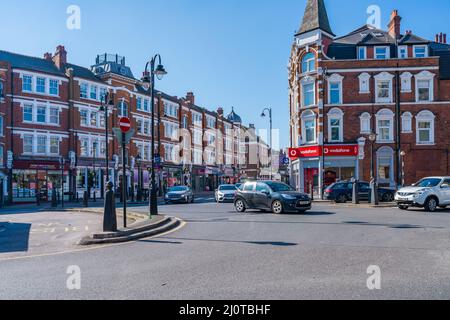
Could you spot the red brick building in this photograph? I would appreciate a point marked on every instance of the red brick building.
(52, 130)
(388, 86)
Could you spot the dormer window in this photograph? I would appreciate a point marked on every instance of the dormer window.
(420, 51)
(309, 63)
(403, 52)
(362, 53)
(381, 53)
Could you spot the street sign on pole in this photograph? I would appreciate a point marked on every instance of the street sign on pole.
(124, 124)
(119, 135)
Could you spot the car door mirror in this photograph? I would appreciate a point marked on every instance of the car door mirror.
(445, 186)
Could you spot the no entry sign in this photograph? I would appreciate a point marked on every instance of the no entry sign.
(124, 124)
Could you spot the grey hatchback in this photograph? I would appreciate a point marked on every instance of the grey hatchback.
(270, 195)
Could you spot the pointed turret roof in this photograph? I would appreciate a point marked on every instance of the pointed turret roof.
(315, 17)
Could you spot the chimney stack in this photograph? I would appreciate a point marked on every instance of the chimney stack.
(220, 111)
(437, 37)
(444, 40)
(190, 97)
(60, 57)
(394, 25)
(441, 37)
(48, 56)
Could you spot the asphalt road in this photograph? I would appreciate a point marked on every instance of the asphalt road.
(221, 254)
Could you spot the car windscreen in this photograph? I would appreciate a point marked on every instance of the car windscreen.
(428, 183)
(178, 189)
(227, 188)
(279, 187)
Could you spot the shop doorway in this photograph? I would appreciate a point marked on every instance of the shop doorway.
(311, 180)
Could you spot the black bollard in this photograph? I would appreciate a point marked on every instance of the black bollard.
(85, 199)
(355, 195)
(312, 191)
(110, 217)
(54, 198)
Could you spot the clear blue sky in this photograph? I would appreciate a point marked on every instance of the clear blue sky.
(229, 52)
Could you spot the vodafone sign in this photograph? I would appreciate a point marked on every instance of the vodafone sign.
(341, 151)
(328, 151)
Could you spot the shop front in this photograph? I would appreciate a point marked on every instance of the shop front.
(337, 162)
(38, 182)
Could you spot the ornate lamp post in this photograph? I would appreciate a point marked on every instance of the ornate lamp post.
(149, 77)
(263, 115)
(106, 104)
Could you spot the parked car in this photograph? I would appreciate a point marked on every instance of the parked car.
(225, 192)
(341, 192)
(179, 194)
(273, 196)
(428, 193)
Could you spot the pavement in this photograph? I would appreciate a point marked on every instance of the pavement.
(221, 254)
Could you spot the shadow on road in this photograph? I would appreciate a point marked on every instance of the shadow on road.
(14, 237)
(393, 226)
(262, 243)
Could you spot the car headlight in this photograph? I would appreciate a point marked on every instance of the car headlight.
(220, 194)
(418, 194)
(288, 197)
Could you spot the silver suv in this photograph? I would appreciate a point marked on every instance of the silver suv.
(429, 193)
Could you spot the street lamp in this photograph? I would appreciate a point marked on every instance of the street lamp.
(139, 190)
(263, 115)
(106, 104)
(149, 78)
(373, 180)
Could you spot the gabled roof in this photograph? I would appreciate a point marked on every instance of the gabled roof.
(366, 35)
(412, 39)
(20, 61)
(315, 17)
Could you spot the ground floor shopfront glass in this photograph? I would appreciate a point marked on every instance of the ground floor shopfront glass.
(38, 185)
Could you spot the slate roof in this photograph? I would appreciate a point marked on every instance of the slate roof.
(84, 73)
(20, 61)
(315, 17)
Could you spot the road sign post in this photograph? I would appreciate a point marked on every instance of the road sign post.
(125, 135)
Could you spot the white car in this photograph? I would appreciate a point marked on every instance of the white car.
(226, 192)
(429, 193)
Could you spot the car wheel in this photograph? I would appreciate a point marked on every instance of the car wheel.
(403, 207)
(431, 204)
(342, 198)
(240, 206)
(388, 197)
(277, 207)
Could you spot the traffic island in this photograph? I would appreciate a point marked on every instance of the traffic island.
(142, 229)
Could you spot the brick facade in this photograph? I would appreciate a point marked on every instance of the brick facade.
(402, 153)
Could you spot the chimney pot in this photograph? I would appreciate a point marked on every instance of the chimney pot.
(440, 37)
(48, 56)
(437, 37)
(444, 38)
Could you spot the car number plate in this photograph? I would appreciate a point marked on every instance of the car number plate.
(303, 203)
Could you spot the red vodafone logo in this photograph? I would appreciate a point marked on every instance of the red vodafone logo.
(294, 153)
(125, 124)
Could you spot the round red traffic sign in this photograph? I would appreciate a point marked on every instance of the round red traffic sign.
(125, 124)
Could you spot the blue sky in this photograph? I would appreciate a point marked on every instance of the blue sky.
(228, 52)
